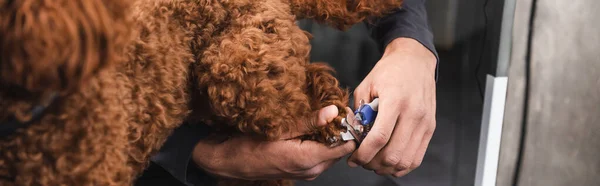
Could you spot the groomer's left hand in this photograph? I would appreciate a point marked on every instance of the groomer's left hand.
(404, 82)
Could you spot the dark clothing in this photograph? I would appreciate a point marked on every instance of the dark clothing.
(410, 21)
(173, 163)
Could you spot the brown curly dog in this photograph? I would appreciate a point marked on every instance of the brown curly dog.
(113, 78)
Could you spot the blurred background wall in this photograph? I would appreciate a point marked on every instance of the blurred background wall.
(551, 133)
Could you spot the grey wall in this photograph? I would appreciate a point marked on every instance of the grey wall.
(561, 144)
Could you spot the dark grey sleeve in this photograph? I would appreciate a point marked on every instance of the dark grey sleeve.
(409, 21)
(172, 165)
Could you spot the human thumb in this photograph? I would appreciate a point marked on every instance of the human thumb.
(326, 115)
(317, 119)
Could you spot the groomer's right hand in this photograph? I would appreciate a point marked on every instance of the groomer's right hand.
(250, 159)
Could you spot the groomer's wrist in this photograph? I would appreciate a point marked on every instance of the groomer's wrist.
(205, 158)
(410, 46)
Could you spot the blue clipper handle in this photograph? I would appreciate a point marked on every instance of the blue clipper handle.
(368, 112)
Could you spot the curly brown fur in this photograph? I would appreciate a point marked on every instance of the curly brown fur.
(109, 118)
(255, 74)
(56, 45)
(60, 46)
(342, 14)
(121, 94)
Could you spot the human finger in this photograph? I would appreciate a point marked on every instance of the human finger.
(317, 170)
(400, 154)
(420, 153)
(326, 115)
(323, 153)
(398, 150)
(379, 135)
(409, 158)
(308, 154)
(362, 92)
(321, 117)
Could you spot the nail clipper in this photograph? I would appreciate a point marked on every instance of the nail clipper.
(359, 122)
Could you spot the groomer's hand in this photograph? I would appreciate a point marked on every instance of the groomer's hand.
(404, 82)
(250, 159)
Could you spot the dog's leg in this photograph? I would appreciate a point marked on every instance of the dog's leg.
(323, 89)
(253, 73)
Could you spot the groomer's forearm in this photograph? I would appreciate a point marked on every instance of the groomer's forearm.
(413, 47)
(409, 22)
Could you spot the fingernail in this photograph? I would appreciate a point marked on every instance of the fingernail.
(327, 114)
(331, 110)
(352, 164)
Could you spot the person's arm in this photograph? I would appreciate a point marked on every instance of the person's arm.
(187, 158)
(247, 158)
(404, 82)
(409, 21)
